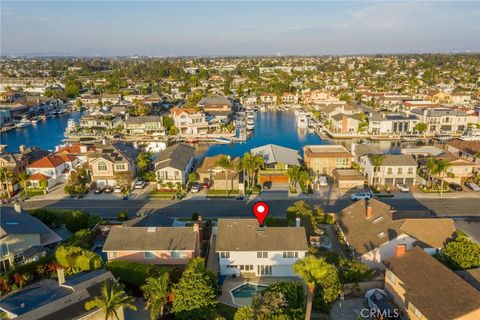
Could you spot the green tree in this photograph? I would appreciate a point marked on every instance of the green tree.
(144, 159)
(376, 160)
(168, 122)
(251, 164)
(244, 313)
(440, 169)
(293, 174)
(194, 296)
(316, 272)
(4, 181)
(76, 259)
(112, 299)
(421, 127)
(193, 178)
(301, 209)
(226, 164)
(23, 177)
(461, 253)
(353, 270)
(156, 292)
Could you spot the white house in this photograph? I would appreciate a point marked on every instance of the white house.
(53, 168)
(394, 168)
(244, 247)
(174, 163)
(189, 121)
(373, 230)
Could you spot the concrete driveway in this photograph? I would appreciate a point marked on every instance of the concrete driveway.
(348, 310)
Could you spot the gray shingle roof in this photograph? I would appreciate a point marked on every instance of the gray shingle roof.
(398, 160)
(153, 238)
(273, 153)
(176, 156)
(245, 235)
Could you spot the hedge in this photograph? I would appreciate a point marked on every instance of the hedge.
(134, 273)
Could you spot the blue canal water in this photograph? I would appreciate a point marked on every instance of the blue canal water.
(45, 134)
(270, 127)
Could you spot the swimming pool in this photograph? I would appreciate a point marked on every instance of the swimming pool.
(243, 294)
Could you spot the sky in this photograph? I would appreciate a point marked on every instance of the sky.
(181, 28)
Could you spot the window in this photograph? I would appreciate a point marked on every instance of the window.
(177, 175)
(410, 170)
(178, 255)
(400, 170)
(162, 175)
(4, 249)
(149, 255)
(264, 270)
(102, 166)
(120, 166)
(290, 254)
(341, 162)
(225, 255)
(262, 255)
(17, 258)
(389, 171)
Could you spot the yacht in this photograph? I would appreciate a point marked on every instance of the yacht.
(71, 125)
(34, 120)
(23, 123)
(311, 129)
(302, 121)
(250, 124)
(250, 116)
(471, 135)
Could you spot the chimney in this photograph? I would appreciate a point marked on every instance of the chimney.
(400, 250)
(17, 208)
(297, 222)
(61, 276)
(369, 212)
(22, 148)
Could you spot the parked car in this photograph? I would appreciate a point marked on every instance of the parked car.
(206, 185)
(196, 188)
(382, 306)
(267, 185)
(118, 189)
(402, 187)
(361, 196)
(455, 186)
(472, 186)
(98, 190)
(323, 181)
(140, 184)
(108, 189)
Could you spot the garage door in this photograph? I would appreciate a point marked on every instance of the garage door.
(409, 181)
(279, 178)
(399, 180)
(389, 181)
(101, 183)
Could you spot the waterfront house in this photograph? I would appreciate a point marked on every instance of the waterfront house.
(54, 168)
(372, 230)
(249, 101)
(344, 123)
(174, 164)
(381, 123)
(461, 98)
(63, 299)
(143, 125)
(209, 172)
(318, 97)
(110, 98)
(245, 248)
(219, 107)
(289, 98)
(79, 150)
(153, 245)
(426, 289)
(268, 98)
(323, 159)
(189, 121)
(442, 120)
(113, 164)
(468, 150)
(395, 168)
(277, 160)
(101, 122)
(90, 100)
(23, 238)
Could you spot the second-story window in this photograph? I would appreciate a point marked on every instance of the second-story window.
(262, 255)
(224, 255)
(290, 254)
(400, 170)
(102, 166)
(410, 170)
(389, 171)
(120, 166)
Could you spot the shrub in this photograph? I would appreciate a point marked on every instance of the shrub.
(122, 216)
(293, 292)
(352, 270)
(82, 238)
(461, 254)
(195, 216)
(133, 273)
(76, 259)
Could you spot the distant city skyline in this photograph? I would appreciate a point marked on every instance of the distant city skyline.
(118, 28)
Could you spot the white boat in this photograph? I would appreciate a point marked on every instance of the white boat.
(222, 140)
(443, 136)
(311, 129)
(250, 124)
(34, 120)
(250, 115)
(471, 135)
(23, 123)
(302, 121)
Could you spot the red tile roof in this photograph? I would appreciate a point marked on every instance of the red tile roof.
(51, 161)
(38, 177)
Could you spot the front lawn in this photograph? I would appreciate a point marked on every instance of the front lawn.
(163, 194)
(221, 193)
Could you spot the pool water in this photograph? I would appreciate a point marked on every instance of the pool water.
(243, 295)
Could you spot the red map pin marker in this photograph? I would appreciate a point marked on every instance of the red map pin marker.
(260, 210)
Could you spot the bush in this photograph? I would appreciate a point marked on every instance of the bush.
(133, 273)
(352, 270)
(461, 254)
(195, 216)
(76, 259)
(293, 292)
(82, 238)
(122, 216)
(77, 220)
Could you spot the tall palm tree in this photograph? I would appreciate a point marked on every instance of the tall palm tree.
(225, 163)
(430, 164)
(376, 160)
(23, 176)
(4, 181)
(113, 297)
(441, 168)
(311, 270)
(251, 164)
(293, 174)
(156, 292)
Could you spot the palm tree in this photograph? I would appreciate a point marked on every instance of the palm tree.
(251, 164)
(23, 176)
(4, 179)
(156, 292)
(113, 297)
(225, 163)
(430, 164)
(441, 167)
(293, 174)
(305, 178)
(311, 270)
(376, 160)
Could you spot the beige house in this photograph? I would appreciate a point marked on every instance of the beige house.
(268, 98)
(174, 164)
(395, 168)
(113, 164)
(23, 238)
(460, 169)
(154, 245)
(323, 159)
(213, 174)
(427, 290)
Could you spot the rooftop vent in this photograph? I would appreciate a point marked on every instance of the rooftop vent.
(151, 229)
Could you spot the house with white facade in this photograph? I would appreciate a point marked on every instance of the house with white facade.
(381, 123)
(442, 120)
(394, 168)
(268, 98)
(174, 164)
(244, 247)
(373, 229)
(189, 121)
(53, 168)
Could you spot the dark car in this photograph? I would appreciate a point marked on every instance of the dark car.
(455, 186)
(108, 189)
(267, 185)
(98, 190)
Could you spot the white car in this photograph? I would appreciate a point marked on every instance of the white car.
(402, 187)
(361, 196)
(196, 188)
(323, 181)
(140, 184)
(472, 186)
(118, 189)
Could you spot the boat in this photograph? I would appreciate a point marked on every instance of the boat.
(471, 135)
(221, 140)
(311, 129)
(34, 120)
(250, 115)
(71, 126)
(443, 136)
(302, 121)
(250, 124)
(24, 122)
